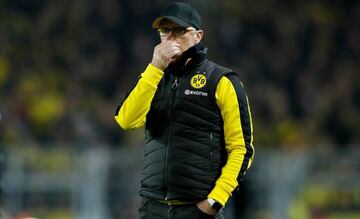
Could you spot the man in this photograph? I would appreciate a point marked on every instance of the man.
(198, 131)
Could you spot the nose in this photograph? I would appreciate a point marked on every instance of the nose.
(170, 35)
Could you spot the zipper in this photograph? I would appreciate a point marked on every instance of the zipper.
(211, 152)
(174, 86)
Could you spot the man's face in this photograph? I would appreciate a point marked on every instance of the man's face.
(186, 37)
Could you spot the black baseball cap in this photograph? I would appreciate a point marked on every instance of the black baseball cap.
(180, 13)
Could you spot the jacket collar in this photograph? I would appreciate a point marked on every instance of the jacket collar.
(190, 58)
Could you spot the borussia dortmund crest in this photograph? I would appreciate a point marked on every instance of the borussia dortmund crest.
(198, 81)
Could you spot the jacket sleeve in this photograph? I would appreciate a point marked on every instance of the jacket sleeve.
(131, 114)
(234, 105)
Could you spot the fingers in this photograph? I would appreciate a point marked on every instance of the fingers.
(205, 207)
(169, 48)
(165, 53)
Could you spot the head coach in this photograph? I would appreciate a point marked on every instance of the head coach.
(198, 126)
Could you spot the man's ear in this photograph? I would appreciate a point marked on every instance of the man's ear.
(199, 35)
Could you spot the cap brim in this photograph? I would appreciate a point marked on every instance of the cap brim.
(176, 20)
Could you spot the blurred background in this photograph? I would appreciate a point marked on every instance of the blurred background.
(66, 65)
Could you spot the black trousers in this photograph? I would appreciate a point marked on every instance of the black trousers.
(151, 209)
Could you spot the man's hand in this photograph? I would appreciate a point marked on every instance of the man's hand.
(165, 53)
(205, 207)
